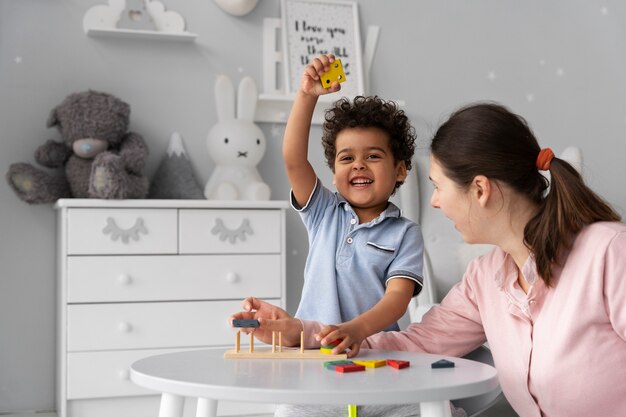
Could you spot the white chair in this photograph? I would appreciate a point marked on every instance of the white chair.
(410, 204)
(419, 305)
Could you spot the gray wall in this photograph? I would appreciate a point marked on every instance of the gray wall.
(559, 63)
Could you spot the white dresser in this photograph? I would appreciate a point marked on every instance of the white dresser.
(143, 277)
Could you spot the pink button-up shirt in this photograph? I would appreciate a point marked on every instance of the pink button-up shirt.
(561, 352)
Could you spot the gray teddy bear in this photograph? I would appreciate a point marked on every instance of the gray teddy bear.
(101, 158)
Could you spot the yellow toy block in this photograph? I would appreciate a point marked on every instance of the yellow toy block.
(374, 363)
(326, 351)
(352, 410)
(334, 74)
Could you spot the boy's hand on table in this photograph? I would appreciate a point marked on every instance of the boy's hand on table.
(271, 318)
(349, 332)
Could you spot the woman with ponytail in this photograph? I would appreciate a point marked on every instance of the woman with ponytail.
(550, 298)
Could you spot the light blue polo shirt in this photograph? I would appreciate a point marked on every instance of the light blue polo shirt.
(349, 264)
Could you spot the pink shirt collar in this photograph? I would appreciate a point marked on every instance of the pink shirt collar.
(506, 280)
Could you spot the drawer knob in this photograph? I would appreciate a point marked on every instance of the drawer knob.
(124, 327)
(124, 374)
(232, 277)
(124, 279)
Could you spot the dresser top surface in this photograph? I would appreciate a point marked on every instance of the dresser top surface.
(148, 203)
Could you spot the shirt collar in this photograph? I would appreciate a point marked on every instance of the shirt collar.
(392, 211)
(508, 271)
(529, 270)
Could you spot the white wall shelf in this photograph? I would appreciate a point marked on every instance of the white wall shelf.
(275, 108)
(142, 34)
(104, 19)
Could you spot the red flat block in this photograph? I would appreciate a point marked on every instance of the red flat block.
(349, 368)
(332, 344)
(394, 363)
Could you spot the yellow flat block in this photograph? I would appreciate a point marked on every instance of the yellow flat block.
(374, 363)
(335, 73)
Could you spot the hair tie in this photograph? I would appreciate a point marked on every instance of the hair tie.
(544, 158)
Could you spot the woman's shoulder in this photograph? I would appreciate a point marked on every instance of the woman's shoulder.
(600, 232)
(486, 261)
(598, 240)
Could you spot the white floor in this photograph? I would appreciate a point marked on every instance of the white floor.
(33, 414)
(37, 414)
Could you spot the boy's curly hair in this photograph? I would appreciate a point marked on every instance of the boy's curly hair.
(371, 111)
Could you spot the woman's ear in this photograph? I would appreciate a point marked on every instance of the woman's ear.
(481, 189)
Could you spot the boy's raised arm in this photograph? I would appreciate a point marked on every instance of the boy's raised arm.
(300, 172)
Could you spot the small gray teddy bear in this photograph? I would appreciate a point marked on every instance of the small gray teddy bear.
(101, 159)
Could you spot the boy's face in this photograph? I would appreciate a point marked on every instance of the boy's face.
(365, 170)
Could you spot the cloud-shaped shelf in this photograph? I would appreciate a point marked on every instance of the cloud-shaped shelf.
(102, 20)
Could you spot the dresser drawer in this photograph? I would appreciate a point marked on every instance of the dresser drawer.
(121, 231)
(105, 374)
(167, 277)
(230, 231)
(150, 325)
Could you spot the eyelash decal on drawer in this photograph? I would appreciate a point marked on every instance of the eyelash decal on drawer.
(232, 235)
(381, 247)
(131, 233)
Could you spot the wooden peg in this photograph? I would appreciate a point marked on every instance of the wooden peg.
(273, 341)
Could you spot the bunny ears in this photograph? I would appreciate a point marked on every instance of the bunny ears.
(247, 97)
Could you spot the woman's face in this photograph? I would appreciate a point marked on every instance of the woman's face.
(454, 202)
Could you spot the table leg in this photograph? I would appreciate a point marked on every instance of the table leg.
(206, 408)
(171, 405)
(435, 409)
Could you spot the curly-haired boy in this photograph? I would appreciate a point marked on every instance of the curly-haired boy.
(365, 259)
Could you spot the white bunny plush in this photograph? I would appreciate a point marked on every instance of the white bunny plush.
(236, 145)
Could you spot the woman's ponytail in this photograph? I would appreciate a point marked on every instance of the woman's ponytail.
(568, 206)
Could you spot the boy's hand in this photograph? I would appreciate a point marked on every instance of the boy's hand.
(311, 84)
(271, 318)
(350, 334)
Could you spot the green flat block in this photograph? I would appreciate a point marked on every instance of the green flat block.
(332, 364)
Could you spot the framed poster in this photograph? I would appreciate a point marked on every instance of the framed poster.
(314, 27)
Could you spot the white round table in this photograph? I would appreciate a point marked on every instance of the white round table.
(206, 375)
